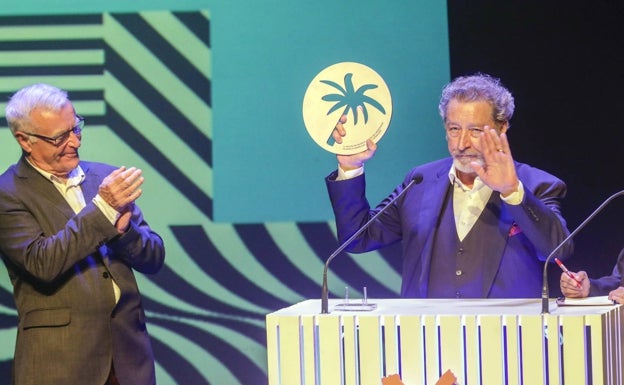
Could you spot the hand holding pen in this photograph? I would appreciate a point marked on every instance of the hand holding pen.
(569, 273)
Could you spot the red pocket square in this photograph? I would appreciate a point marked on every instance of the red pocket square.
(514, 230)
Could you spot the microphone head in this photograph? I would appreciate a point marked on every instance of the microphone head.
(417, 178)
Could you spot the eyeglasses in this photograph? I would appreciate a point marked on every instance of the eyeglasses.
(455, 132)
(60, 139)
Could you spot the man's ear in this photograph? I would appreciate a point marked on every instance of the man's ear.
(504, 127)
(24, 141)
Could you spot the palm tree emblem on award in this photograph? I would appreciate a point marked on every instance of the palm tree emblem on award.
(350, 99)
(352, 89)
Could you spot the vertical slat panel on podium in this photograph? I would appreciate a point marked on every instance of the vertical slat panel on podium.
(574, 354)
(391, 347)
(552, 334)
(308, 342)
(618, 327)
(370, 350)
(289, 350)
(272, 322)
(610, 343)
(615, 323)
(412, 347)
(532, 345)
(491, 349)
(473, 368)
(349, 332)
(512, 349)
(451, 349)
(598, 348)
(432, 358)
(329, 354)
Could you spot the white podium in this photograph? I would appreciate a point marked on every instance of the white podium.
(482, 341)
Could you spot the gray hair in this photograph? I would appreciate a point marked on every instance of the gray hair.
(38, 95)
(479, 87)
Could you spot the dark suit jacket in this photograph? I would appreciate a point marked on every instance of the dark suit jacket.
(523, 236)
(603, 285)
(61, 264)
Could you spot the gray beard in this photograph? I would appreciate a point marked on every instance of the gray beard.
(466, 167)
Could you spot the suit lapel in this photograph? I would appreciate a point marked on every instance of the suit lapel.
(43, 188)
(90, 184)
(435, 194)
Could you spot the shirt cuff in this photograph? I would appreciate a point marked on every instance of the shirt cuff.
(111, 214)
(344, 175)
(515, 198)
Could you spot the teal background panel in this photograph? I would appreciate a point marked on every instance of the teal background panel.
(273, 170)
(205, 97)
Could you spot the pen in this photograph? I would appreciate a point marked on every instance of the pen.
(565, 270)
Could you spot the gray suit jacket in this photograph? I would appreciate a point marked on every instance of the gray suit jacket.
(61, 265)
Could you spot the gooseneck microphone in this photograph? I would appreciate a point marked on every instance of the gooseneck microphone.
(545, 294)
(416, 179)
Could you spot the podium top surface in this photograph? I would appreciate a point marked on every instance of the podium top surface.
(431, 306)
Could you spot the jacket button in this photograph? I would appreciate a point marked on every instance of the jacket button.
(105, 275)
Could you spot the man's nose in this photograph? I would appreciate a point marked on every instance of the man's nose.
(74, 140)
(464, 139)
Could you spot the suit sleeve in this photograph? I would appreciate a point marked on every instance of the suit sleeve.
(352, 211)
(28, 243)
(539, 215)
(140, 247)
(603, 285)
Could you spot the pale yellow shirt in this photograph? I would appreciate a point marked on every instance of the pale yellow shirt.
(468, 203)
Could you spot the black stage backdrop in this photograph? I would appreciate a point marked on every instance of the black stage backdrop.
(564, 63)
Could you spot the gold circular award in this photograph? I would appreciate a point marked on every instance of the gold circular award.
(350, 89)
